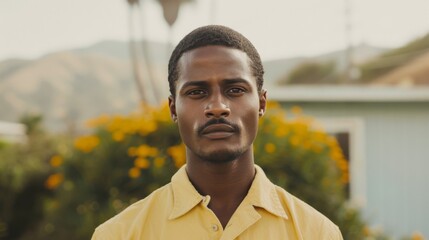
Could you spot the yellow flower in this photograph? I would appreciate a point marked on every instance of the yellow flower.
(270, 148)
(56, 161)
(147, 126)
(146, 150)
(54, 180)
(307, 145)
(294, 141)
(331, 142)
(319, 136)
(337, 155)
(281, 131)
(134, 172)
(118, 136)
(142, 163)
(115, 123)
(86, 143)
(159, 162)
(178, 154)
(300, 127)
(344, 178)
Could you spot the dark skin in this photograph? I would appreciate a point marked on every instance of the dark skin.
(216, 83)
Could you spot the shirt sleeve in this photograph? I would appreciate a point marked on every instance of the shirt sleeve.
(339, 236)
(335, 234)
(332, 232)
(100, 234)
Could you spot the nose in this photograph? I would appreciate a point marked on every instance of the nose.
(217, 109)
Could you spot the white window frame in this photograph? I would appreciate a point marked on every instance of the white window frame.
(355, 126)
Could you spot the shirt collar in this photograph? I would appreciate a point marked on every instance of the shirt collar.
(262, 194)
(185, 195)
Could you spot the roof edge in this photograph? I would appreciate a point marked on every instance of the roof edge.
(299, 93)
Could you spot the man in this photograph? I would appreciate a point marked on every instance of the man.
(216, 77)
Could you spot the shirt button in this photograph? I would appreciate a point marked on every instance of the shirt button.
(215, 228)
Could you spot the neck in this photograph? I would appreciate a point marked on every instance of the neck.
(226, 183)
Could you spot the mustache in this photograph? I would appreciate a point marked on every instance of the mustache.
(217, 121)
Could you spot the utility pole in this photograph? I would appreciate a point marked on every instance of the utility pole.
(348, 70)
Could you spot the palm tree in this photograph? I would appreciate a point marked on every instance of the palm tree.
(134, 53)
(170, 11)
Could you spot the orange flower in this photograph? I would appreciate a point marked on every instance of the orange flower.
(294, 141)
(118, 136)
(54, 180)
(159, 162)
(142, 163)
(134, 172)
(281, 131)
(56, 161)
(270, 148)
(86, 143)
(146, 150)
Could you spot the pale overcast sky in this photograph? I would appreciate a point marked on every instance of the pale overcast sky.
(278, 28)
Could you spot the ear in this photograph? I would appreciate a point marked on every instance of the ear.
(262, 102)
(172, 106)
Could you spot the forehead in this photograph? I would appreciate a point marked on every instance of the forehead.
(210, 61)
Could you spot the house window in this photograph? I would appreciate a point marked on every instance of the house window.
(343, 139)
(350, 135)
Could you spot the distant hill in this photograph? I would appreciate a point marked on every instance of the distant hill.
(276, 70)
(403, 66)
(413, 73)
(69, 87)
(394, 60)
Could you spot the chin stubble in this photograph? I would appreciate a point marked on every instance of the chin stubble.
(220, 157)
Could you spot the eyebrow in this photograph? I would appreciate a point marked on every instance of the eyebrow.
(225, 82)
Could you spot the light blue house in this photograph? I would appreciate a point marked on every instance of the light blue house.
(387, 133)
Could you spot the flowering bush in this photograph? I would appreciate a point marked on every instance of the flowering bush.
(127, 157)
(26, 178)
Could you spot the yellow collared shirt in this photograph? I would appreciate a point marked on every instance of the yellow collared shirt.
(177, 211)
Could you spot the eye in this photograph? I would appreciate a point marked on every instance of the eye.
(236, 91)
(196, 93)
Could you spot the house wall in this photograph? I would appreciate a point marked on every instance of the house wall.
(396, 156)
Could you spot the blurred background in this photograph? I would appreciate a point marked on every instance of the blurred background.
(84, 129)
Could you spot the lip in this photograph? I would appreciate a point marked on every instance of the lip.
(218, 131)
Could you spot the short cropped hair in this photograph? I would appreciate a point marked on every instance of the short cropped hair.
(214, 35)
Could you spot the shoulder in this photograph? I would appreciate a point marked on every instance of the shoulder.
(123, 225)
(308, 221)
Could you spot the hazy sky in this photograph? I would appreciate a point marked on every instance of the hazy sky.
(278, 28)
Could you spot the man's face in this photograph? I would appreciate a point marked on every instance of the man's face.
(217, 104)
